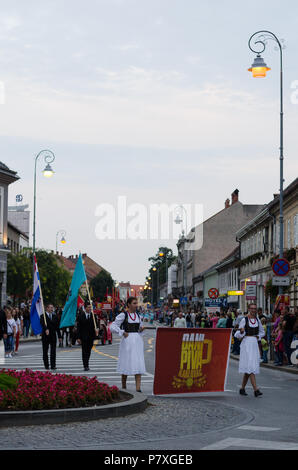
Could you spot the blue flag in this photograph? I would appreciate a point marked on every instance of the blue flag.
(36, 305)
(70, 308)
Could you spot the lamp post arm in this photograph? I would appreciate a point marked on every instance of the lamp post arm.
(261, 38)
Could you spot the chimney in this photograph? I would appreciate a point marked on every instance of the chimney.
(235, 196)
(227, 203)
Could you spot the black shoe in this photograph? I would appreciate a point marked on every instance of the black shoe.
(242, 391)
(86, 368)
(258, 393)
(47, 368)
(53, 368)
(139, 391)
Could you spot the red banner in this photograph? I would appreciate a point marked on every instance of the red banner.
(191, 360)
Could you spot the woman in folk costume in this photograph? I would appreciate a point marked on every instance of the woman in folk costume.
(250, 333)
(130, 327)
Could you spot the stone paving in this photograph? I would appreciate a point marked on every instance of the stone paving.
(171, 417)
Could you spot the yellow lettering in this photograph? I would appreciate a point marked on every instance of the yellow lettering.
(208, 342)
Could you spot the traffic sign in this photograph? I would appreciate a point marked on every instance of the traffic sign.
(251, 290)
(183, 300)
(280, 281)
(213, 293)
(281, 267)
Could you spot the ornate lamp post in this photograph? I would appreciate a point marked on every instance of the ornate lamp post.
(49, 157)
(259, 69)
(179, 220)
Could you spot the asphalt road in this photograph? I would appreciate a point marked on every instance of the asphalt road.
(208, 421)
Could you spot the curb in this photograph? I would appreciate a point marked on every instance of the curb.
(271, 366)
(136, 403)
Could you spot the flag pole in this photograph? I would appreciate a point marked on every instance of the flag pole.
(41, 297)
(86, 282)
(91, 304)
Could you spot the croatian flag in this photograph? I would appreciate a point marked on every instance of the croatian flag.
(36, 305)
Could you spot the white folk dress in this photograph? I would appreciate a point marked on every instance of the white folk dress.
(131, 352)
(249, 362)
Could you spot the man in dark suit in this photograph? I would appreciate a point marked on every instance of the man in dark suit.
(86, 333)
(50, 330)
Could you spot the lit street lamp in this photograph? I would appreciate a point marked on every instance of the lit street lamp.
(48, 172)
(63, 241)
(259, 69)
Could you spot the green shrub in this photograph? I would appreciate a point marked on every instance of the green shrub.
(8, 382)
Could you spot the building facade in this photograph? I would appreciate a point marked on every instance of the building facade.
(7, 177)
(259, 246)
(212, 241)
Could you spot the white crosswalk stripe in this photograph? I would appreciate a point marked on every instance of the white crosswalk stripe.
(103, 364)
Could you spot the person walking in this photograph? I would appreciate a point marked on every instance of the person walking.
(11, 333)
(288, 326)
(193, 319)
(222, 321)
(250, 332)
(129, 326)
(50, 331)
(180, 321)
(230, 321)
(87, 331)
(18, 319)
(26, 321)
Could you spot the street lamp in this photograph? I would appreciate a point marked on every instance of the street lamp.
(259, 69)
(49, 157)
(179, 220)
(63, 241)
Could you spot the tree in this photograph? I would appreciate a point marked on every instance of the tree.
(19, 275)
(160, 262)
(100, 283)
(159, 276)
(54, 279)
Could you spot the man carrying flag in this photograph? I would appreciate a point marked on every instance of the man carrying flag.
(37, 308)
(69, 313)
(87, 326)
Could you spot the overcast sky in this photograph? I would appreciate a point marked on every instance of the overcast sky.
(145, 99)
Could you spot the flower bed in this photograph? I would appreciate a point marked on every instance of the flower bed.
(44, 391)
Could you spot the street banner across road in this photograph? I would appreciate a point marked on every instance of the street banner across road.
(199, 360)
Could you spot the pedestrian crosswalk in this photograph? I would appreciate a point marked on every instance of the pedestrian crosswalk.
(103, 364)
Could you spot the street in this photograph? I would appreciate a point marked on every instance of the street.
(209, 421)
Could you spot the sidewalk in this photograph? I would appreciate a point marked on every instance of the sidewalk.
(270, 365)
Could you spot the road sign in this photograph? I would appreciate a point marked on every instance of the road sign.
(213, 293)
(281, 267)
(183, 300)
(220, 302)
(251, 290)
(281, 281)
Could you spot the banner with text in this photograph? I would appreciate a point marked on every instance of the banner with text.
(191, 360)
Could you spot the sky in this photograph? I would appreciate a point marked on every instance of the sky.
(148, 100)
